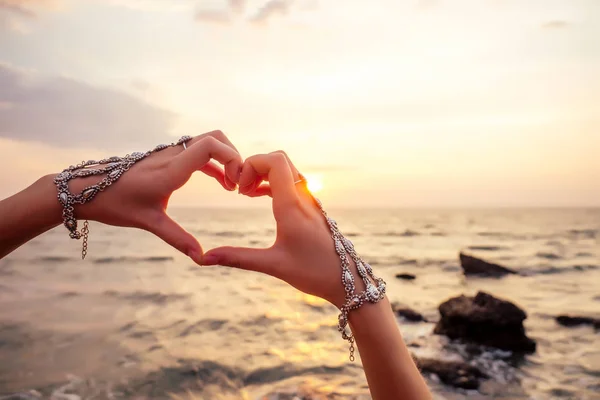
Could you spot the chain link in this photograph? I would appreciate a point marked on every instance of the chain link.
(85, 231)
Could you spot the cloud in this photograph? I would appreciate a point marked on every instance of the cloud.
(237, 6)
(16, 15)
(213, 16)
(15, 8)
(556, 24)
(64, 112)
(273, 7)
(26, 8)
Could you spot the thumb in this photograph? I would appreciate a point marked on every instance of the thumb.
(172, 233)
(260, 260)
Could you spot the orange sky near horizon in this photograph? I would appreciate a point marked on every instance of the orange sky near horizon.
(420, 103)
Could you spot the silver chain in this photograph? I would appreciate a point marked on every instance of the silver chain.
(375, 287)
(113, 168)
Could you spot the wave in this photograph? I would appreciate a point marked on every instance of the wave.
(393, 262)
(203, 325)
(487, 248)
(406, 233)
(231, 234)
(558, 270)
(69, 294)
(147, 297)
(50, 259)
(286, 371)
(586, 233)
(494, 234)
(118, 260)
(507, 235)
(584, 254)
(548, 256)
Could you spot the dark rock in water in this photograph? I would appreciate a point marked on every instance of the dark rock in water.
(407, 313)
(408, 277)
(567, 320)
(486, 320)
(454, 373)
(475, 266)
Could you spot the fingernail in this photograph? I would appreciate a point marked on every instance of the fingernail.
(229, 184)
(246, 188)
(210, 259)
(238, 174)
(195, 256)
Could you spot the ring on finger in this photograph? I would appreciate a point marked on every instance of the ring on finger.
(301, 178)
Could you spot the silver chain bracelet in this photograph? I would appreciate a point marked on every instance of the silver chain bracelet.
(375, 287)
(113, 167)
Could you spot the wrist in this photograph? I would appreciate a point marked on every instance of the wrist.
(368, 312)
(50, 211)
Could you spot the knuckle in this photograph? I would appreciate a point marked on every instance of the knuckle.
(281, 152)
(208, 141)
(253, 159)
(217, 134)
(278, 158)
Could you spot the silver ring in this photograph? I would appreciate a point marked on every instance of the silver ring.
(301, 178)
(184, 146)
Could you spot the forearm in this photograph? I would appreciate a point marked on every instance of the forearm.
(28, 214)
(389, 367)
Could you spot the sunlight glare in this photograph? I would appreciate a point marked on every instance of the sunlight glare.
(314, 183)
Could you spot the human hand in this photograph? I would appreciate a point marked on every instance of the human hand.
(303, 254)
(140, 197)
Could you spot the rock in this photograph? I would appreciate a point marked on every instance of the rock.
(475, 266)
(407, 313)
(486, 320)
(408, 277)
(454, 373)
(568, 320)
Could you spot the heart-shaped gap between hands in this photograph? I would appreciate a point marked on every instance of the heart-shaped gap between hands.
(303, 253)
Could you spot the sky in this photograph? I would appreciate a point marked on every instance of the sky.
(390, 103)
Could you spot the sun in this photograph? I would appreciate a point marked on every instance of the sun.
(314, 183)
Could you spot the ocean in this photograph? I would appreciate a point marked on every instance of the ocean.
(138, 320)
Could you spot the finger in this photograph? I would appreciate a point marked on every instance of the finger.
(201, 152)
(274, 168)
(262, 190)
(172, 233)
(217, 172)
(293, 168)
(261, 260)
(220, 136)
(299, 179)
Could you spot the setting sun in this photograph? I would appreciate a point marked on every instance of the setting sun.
(314, 183)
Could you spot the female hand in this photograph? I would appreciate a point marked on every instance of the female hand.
(303, 254)
(140, 197)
